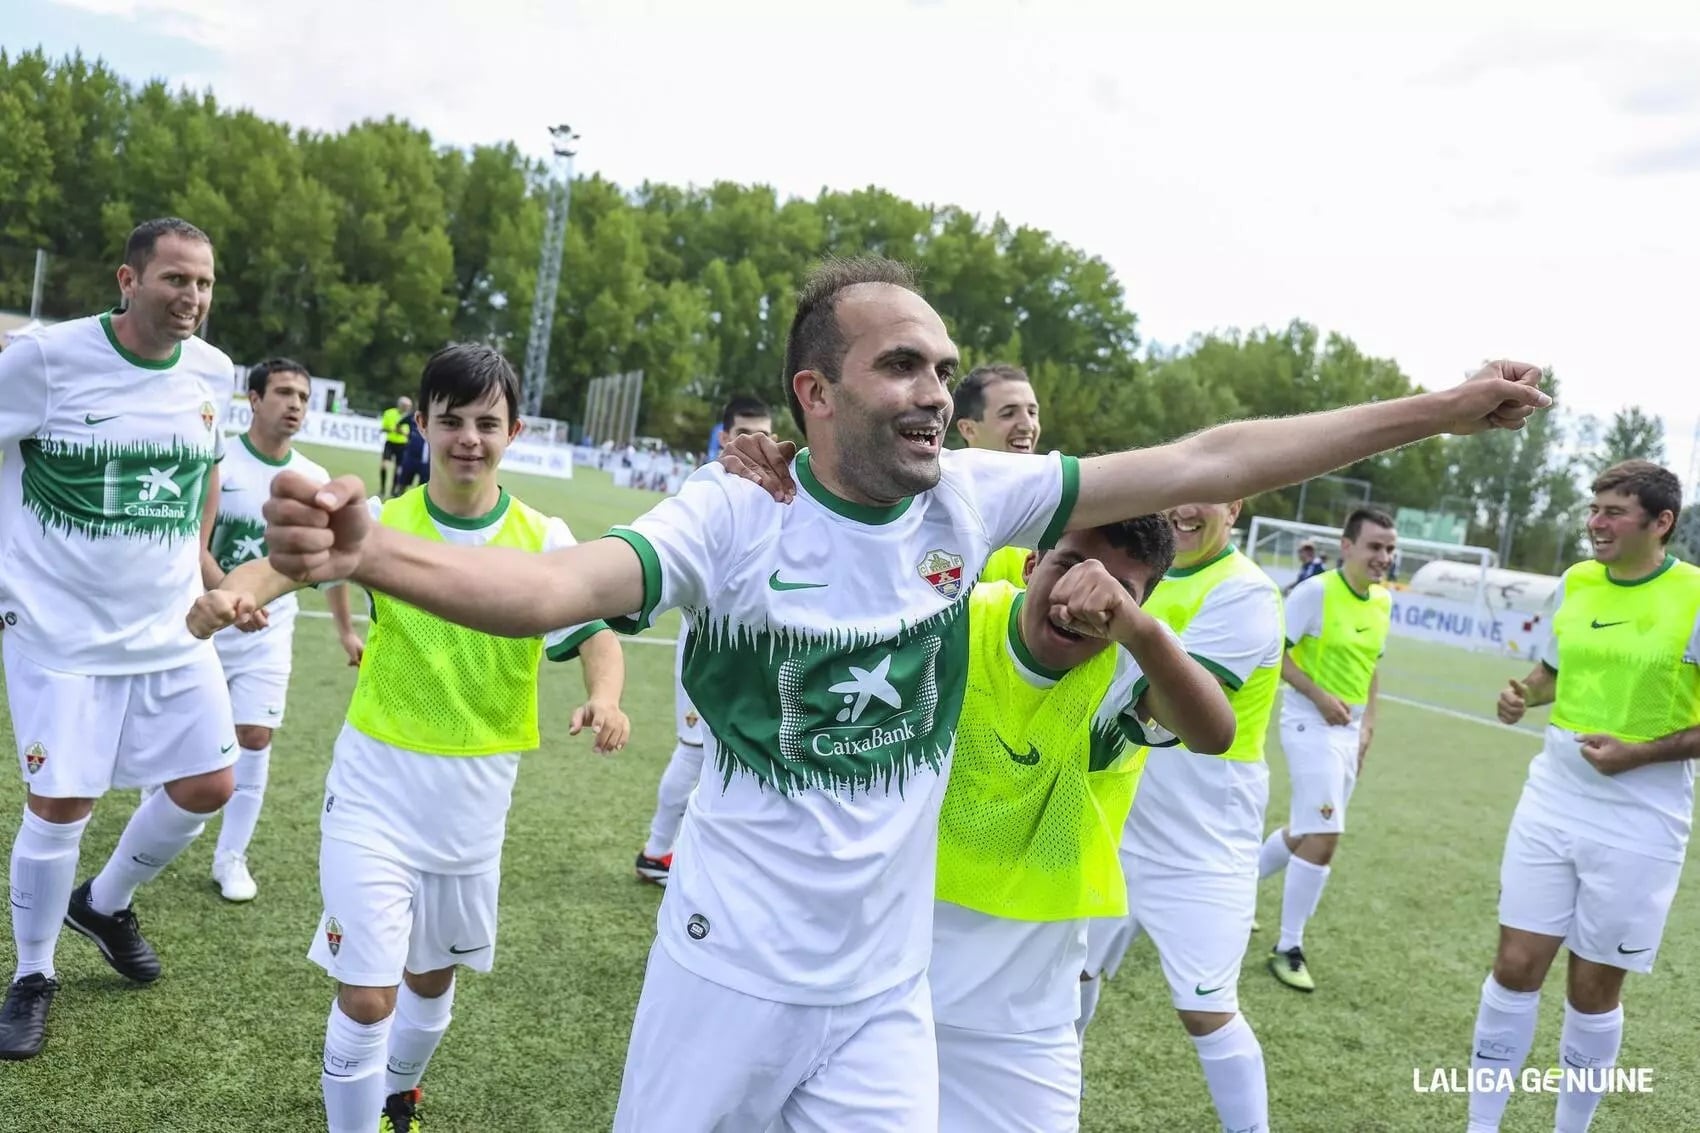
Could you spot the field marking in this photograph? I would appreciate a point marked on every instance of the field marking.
(1485, 721)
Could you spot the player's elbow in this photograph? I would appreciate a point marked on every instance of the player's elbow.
(1215, 733)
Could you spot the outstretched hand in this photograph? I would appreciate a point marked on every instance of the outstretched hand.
(316, 532)
(1501, 395)
(763, 461)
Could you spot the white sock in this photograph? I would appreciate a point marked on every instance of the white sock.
(1274, 856)
(1089, 990)
(1233, 1068)
(44, 871)
(1587, 1042)
(419, 1027)
(157, 832)
(684, 768)
(1505, 1029)
(1298, 903)
(242, 812)
(353, 1077)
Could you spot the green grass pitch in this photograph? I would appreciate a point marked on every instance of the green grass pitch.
(230, 1037)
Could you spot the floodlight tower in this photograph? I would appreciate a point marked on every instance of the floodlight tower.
(548, 271)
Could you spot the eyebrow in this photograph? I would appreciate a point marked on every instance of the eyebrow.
(913, 354)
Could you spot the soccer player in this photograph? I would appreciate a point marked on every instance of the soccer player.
(397, 423)
(828, 655)
(257, 663)
(1189, 849)
(1597, 841)
(417, 797)
(742, 416)
(109, 429)
(1337, 627)
(1040, 785)
(997, 410)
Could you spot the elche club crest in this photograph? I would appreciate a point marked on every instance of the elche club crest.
(943, 572)
(333, 935)
(207, 415)
(34, 756)
(1326, 810)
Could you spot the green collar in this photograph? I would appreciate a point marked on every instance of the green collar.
(1023, 656)
(1670, 561)
(262, 457)
(860, 513)
(1344, 581)
(466, 523)
(137, 359)
(1184, 572)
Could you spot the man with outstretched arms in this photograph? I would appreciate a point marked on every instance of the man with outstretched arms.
(828, 650)
(109, 430)
(1597, 842)
(1189, 849)
(257, 662)
(743, 416)
(1337, 627)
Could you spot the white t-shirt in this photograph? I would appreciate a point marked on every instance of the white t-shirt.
(1199, 812)
(239, 535)
(1648, 810)
(104, 459)
(1304, 619)
(436, 813)
(828, 655)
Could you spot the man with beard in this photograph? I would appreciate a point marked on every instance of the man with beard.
(828, 656)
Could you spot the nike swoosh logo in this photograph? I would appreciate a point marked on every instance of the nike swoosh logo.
(1490, 1057)
(1028, 760)
(1576, 1065)
(773, 581)
(274, 712)
(1597, 624)
(227, 488)
(1362, 628)
(91, 419)
(225, 750)
(1633, 951)
(1197, 990)
(466, 951)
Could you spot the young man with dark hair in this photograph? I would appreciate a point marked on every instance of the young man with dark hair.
(417, 797)
(1599, 836)
(257, 661)
(742, 416)
(1337, 628)
(109, 430)
(997, 410)
(828, 654)
(1041, 781)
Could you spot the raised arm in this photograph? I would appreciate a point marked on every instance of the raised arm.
(1233, 461)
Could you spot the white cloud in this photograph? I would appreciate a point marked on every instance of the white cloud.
(1465, 181)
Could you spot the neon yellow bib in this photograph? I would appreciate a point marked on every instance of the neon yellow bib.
(1029, 825)
(1007, 564)
(1622, 664)
(1354, 635)
(428, 685)
(1177, 599)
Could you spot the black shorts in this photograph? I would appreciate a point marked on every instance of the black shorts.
(394, 450)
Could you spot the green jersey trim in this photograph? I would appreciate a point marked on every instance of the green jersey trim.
(860, 513)
(262, 457)
(1065, 506)
(1023, 656)
(1220, 672)
(567, 648)
(1670, 561)
(651, 562)
(468, 523)
(1185, 572)
(137, 359)
(1350, 589)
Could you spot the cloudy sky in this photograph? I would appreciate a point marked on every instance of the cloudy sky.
(1464, 180)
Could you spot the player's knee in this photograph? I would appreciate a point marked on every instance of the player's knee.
(203, 794)
(1201, 1023)
(366, 1005)
(252, 737)
(430, 985)
(1594, 989)
(59, 811)
(1522, 963)
(1317, 849)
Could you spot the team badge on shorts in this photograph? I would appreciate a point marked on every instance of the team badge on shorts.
(333, 934)
(207, 416)
(1326, 810)
(34, 756)
(943, 572)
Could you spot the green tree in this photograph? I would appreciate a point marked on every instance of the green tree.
(1632, 435)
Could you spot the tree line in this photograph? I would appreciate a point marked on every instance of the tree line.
(360, 252)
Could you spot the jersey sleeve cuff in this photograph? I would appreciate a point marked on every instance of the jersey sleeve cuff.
(1221, 672)
(1553, 669)
(640, 621)
(567, 648)
(1065, 505)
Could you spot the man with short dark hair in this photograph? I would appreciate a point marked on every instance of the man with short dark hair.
(997, 410)
(1310, 565)
(1598, 839)
(828, 654)
(109, 431)
(1337, 627)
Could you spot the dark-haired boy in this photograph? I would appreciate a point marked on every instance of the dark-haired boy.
(422, 776)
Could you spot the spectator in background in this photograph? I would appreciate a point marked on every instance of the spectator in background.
(1310, 565)
(415, 462)
(397, 424)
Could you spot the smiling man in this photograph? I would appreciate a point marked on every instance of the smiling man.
(1597, 843)
(829, 651)
(1337, 627)
(997, 410)
(109, 430)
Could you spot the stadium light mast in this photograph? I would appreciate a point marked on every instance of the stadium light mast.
(548, 271)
